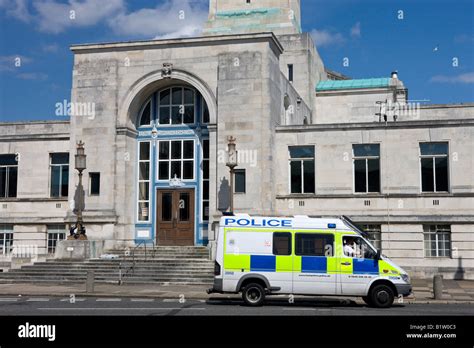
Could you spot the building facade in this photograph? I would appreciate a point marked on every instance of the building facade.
(155, 117)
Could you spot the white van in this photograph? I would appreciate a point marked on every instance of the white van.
(261, 256)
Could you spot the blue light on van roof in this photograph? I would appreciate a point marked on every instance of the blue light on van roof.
(331, 225)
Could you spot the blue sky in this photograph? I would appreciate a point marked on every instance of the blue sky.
(424, 43)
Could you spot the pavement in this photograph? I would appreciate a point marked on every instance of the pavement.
(454, 291)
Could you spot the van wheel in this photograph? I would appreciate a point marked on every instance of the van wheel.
(381, 296)
(253, 295)
(366, 299)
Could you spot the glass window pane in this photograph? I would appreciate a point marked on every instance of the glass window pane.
(8, 160)
(95, 181)
(360, 176)
(205, 113)
(296, 177)
(184, 207)
(188, 96)
(281, 243)
(205, 169)
(55, 181)
(205, 148)
(374, 175)
(176, 169)
(427, 149)
(188, 116)
(177, 96)
(205, 211)
(176, 149)
(441, 174)
(205, 190)
(366, 150)
(301, 151)
(3, 182)
(188, 170)
(144, 151)
(240, 181)
(309, 184)
(145, 119)
(163, 171)
(12, 181)
(60, 158)
(144, 191)
(165, 115)
(176, 116)
(188, 149)
(65, 181)
(427, 180)
(314, 244)
(165, 97)
(144, 171)
(143, 211)
(164, 151)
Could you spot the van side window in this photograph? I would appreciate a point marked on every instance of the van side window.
(310, 244)
(281, 243)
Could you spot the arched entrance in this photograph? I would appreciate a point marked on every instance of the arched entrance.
(172, 184)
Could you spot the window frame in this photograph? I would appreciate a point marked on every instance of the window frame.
(6, 230)
(51, 165)
(245, 181)
(171, 105)
(205, 180)
(290, 247)
(54, 230)
(152, 118)
(438, 230)
(7, 177)
(297, 234)
(434, 157)
(366, 158)
(170, 160)
(302, 160)
(149, 161)
(90, 184)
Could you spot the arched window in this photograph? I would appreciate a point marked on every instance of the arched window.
(145, 117)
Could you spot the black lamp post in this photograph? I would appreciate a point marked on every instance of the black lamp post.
(80, 165)
(231, 163)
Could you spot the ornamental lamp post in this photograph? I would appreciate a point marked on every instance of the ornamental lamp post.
(80, 165)
(231, 163)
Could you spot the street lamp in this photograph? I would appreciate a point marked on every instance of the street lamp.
(231, 163)
(80, 167)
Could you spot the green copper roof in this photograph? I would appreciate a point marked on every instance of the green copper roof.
(249, 12)
(331, 85)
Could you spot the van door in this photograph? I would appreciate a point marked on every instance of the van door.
(314, 265)
(357, 265)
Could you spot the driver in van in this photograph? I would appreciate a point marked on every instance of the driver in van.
(350, 247)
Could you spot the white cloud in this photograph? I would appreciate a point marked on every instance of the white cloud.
(32, 76)
(55, 17)
(327, 38)
(467, 78)
(17, 9)
(171, 19)
(50, 48)
(355, 31)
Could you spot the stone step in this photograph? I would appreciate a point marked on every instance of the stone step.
(126, 281)
(99, 272)
(110, 279)
(116, 261)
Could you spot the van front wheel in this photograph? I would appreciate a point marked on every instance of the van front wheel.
(381, 296)
(253, 295)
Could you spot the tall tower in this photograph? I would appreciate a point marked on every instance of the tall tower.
(250, 16)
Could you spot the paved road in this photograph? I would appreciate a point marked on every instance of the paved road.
(163, 307)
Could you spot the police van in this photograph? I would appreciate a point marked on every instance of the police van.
(259, 256)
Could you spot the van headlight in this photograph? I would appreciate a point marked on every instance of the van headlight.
(405, 278)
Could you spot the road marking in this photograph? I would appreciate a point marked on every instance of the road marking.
(121, 309)
(170, 300)
(108, 300)
(142, 300)
(75, 300)
(8, 299)
(38, 300)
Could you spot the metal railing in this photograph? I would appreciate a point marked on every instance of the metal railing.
(131, 269)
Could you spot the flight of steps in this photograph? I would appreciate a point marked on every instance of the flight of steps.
(162, 265)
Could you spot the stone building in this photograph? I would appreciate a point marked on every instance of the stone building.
(155, 116)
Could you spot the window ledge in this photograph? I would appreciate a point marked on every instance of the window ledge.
(46, 199)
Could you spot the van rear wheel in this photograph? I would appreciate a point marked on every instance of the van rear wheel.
(381, 296)
(253, 295)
